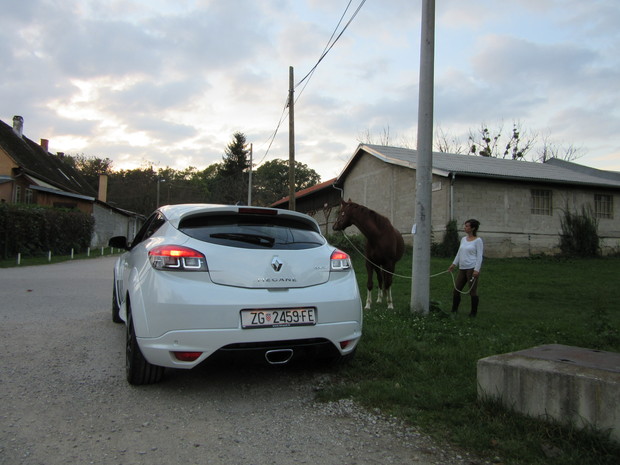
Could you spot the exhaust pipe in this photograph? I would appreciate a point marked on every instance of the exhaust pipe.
(278, 356)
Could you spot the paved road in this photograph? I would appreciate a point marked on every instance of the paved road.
(64, 398)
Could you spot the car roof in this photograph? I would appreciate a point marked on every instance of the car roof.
(175, 213)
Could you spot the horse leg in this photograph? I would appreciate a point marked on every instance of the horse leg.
(369, 269)
(381, 289)
(387, 286)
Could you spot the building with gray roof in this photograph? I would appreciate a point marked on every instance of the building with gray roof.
(520, 204)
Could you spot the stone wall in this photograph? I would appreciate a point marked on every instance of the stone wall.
(110, 223)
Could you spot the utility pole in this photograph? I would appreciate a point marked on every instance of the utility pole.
(291, 140)
(250, 179)
(420, 285)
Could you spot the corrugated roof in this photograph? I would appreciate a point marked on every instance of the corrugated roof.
(445, 164)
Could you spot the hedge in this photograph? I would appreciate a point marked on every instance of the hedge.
(34, 230)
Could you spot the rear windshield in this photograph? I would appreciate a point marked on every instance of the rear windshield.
(252, 231)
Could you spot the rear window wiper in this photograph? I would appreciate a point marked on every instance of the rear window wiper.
(257, 239)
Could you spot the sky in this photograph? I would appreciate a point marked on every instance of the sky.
(168, 82)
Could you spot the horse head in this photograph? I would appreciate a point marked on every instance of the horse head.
(344, 219)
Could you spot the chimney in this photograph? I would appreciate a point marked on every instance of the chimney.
(18, 125)
(102, 196)
(45, 144)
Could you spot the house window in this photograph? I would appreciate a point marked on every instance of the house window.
(18, 194)
(542, 202)
(29, 197)
(603, 206)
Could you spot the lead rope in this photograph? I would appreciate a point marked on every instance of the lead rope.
(471, 282)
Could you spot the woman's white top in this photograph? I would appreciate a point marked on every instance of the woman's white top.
(470, 254)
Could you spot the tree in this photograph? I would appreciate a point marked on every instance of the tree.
(491, 144)
(134, 190)
(232, 179)
(385, 138)
(447, 143)
(90, 167)
(564, 152)
(271, 180)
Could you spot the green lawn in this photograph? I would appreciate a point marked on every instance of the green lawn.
(43, 259)
(423, 369)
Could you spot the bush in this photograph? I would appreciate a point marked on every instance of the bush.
(449, 246)
(579, 236)
(347, 243)
(34, 230)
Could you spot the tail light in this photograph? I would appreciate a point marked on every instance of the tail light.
(177, 258)
(187, 356)
(340, 261)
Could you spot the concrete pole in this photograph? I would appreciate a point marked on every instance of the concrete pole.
(420, 285)
(291, 140)
(157, 204)
(250, 179)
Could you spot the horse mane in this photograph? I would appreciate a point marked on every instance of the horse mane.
(378, 218)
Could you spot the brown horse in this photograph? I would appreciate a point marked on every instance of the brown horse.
(384, 245)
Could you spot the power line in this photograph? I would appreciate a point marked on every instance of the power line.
(273, 136)
(323, 53)
(330, 44)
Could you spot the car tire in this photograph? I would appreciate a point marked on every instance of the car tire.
(349, 357)
(139, 371)
(116, 318)
(337, 360)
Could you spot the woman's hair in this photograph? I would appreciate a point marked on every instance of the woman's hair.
(474, 224)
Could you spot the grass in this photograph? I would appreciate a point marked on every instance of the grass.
(422, 369)
(43, 259)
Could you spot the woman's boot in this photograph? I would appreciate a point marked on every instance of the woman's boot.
(474, 305)
(456, 300)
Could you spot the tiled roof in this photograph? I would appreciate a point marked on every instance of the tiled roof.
(445, 164)
(35, 161)
(304, 192)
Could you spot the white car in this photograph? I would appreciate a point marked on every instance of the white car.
(199, 280)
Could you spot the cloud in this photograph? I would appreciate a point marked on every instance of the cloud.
(170, 82)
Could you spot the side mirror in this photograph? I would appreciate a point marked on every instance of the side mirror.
(118, 242)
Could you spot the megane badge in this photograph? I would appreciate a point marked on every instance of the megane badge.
(276, 264)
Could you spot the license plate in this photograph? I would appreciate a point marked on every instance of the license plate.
(280, 317)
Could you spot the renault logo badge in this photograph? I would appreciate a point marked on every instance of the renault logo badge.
(276, 264)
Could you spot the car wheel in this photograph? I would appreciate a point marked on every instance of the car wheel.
(116, 318)
(139, 371)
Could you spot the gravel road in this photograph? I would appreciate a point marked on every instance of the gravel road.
(64, 398)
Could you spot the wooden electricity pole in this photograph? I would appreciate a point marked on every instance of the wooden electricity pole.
(291, 140)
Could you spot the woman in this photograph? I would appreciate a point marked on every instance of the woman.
(469, 260)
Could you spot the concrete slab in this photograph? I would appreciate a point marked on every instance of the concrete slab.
(569, 384)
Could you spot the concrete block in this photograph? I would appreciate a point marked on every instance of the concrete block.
(571, 385)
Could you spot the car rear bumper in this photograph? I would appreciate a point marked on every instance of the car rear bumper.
(313, 341)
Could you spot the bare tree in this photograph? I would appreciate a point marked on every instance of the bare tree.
(487, 143)
(369, 138)
(550, 150)
(385, 138)
(448, 143)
